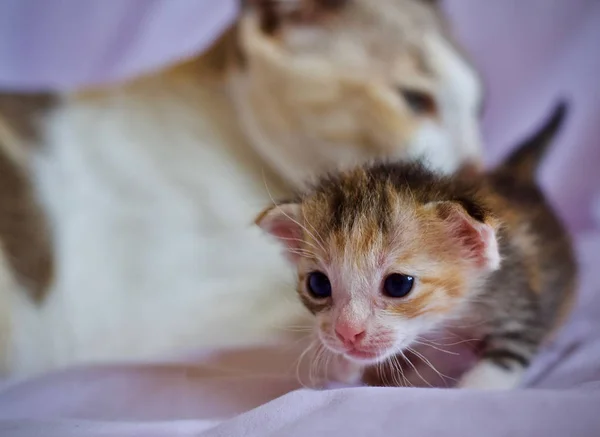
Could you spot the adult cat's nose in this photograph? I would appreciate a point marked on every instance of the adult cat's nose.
(349, 333)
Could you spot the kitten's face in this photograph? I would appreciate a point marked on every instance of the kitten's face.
(389, 272)
(322, 87)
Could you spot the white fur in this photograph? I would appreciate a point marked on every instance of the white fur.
(488, 376)
(459, 94)
(491, 253)
(151, 208)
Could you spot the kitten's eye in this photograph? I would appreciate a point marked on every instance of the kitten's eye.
(319, 285)
(420, 102)
(398, 285)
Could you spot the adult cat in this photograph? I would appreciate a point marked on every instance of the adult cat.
(148, 189)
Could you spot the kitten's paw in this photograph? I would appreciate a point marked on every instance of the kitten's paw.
(488, 376)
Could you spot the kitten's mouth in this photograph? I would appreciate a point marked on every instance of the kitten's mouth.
(365, 356)
(368, 355)
(371, 353)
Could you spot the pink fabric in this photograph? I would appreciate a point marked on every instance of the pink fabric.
(531, 53)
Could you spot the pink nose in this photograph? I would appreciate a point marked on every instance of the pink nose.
(349, 333)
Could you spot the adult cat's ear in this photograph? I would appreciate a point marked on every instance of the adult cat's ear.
(433, 3)
(474, 233)
(273, 13)
(283, 222)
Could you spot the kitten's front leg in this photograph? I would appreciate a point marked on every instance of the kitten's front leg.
(489, 375)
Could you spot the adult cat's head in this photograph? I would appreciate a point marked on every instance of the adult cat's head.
(333, 82)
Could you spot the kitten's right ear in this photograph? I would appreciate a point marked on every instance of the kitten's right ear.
(283, 222)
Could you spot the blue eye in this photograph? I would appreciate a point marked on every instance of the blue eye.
(319, 285)
(398, 285)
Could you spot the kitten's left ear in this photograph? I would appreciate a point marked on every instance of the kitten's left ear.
(473, 232)
(283, 223)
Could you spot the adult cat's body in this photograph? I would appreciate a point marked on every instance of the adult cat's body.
(149, 188)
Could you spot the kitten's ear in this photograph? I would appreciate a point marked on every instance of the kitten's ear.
(283, 223)
(273, 12)
(474, 233)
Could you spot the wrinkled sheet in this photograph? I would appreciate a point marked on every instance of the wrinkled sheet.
(530, 53)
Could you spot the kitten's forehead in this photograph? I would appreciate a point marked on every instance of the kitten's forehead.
(360, 212)
(354, 200)
(384, 209)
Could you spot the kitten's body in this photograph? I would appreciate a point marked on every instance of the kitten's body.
(485, 253)
(149, 187)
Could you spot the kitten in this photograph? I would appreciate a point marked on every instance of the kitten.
(387, 253)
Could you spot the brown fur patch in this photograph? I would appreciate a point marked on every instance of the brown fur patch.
(21, 113)
(564, 311)
(23, 232)
(23, 229)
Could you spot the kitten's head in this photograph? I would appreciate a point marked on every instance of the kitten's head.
(323, 83)
(385, 254)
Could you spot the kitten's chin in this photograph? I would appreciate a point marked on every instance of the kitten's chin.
(365, 357)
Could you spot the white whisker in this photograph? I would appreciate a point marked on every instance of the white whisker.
(415, 369)
(299, 361)
(436, 348)
(426, 361)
